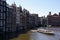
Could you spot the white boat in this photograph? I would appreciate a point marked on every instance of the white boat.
(46, 31)
(34, 30)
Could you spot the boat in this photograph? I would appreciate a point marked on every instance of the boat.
(34, 30)
(50, 32)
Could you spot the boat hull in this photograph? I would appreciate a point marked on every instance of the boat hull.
(49, 32)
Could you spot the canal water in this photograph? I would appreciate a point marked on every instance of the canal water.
(40, 36)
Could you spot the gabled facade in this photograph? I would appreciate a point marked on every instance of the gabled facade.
(53, 20)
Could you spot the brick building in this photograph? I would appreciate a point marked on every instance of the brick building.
(53, 20)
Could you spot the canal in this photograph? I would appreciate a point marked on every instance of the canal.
(39, 36)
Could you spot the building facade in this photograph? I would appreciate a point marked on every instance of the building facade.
(33, 20)
(14, 17)
(18, 18)
(9, 17)
(36, 19)
(6, 16)
(25, 19)
(53, 20)
(2, 15)
(22, 19)
(39, 21)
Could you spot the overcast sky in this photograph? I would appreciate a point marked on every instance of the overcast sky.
(40, 7)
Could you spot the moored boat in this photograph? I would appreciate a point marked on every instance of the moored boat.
(46, 31)
(34, 30)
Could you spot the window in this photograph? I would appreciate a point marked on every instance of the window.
(0, 8)
(4, 9)
(9, 25)
(6, 29)
(1, 23)
(4, 3)
(9, 20)
(2, 15)
(1, 3)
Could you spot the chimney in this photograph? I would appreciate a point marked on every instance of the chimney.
(49, 13)
(59, 13)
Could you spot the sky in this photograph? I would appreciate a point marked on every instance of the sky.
(40, 7)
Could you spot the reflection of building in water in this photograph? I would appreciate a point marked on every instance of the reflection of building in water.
(53, 20)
